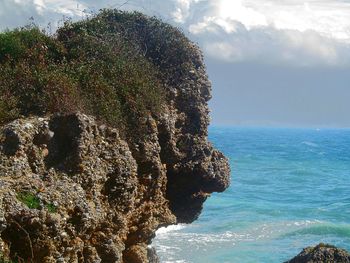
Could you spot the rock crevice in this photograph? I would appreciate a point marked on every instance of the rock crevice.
(74, 190)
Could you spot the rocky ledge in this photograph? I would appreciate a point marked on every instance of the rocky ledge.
(322, 253)
(73, 189)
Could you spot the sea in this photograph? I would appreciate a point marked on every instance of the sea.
(290, 189)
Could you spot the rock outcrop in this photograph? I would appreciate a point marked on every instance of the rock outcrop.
(322, 253)
(74, 190)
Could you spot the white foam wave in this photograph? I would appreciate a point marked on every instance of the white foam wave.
(170, 238)
(172, 228)
(174, 246)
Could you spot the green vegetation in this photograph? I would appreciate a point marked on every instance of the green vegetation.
(51, 208)
(33, 202)
(29, 200)
(113, 66)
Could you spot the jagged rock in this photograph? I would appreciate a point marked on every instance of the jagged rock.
(73, 190)
(322, 253)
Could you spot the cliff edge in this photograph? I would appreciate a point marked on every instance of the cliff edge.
(77, 188)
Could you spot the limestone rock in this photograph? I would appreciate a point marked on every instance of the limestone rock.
(322, 253)
(75, 190)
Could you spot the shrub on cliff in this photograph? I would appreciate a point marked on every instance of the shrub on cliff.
(162, 44)
(113, 65)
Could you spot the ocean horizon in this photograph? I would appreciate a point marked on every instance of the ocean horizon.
(290, 189)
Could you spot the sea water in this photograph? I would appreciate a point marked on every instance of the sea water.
(290, 189)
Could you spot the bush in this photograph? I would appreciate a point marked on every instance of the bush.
(8, 108)
(28, 43)
(113, 65)
(32, 76)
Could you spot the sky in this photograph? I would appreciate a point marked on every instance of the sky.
(271, 62)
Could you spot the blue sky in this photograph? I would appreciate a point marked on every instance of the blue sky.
(272, 62)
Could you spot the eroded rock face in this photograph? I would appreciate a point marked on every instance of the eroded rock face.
(322, 253)
(72, 190)
(194, 167)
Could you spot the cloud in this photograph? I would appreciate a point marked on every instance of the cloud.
(16, 13)
(61, 7)
(12, 12)
(330, 18)
(237, 10)
(300, 33)
(182, 10)
(268, 45)
(297, 32)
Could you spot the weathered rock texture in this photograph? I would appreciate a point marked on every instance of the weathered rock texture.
(95, 197)
(322, 253)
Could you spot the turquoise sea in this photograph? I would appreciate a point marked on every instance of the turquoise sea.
(290, 189)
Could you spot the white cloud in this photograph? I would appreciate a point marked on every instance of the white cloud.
(64, 7)
(300, 32)
(267, 45)
(303, 33)
(237, 10)
(182, 10)
(15, 13)
(329, 18)
(212, 24)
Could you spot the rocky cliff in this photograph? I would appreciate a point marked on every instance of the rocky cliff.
(74, 189)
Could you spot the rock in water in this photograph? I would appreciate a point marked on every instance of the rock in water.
(322, 253)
